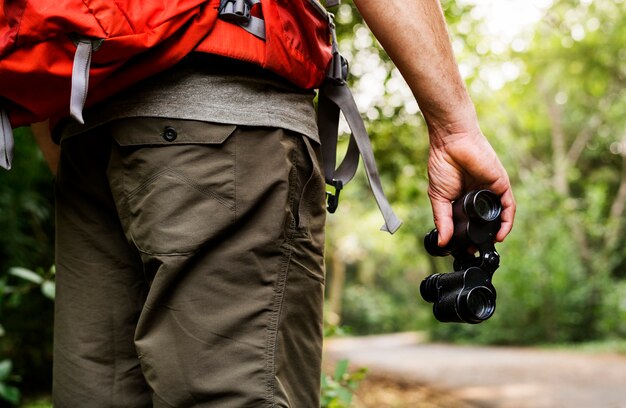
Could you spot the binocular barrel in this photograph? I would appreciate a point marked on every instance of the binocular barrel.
(463, 296)
(480, 205)
(476, 221)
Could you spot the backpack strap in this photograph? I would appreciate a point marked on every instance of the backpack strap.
(80, 75)
(335, 96)
(6, 140)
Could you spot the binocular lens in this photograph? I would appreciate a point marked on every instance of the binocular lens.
(485, 205)
(480, 303)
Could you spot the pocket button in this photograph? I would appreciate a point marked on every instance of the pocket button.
(170, 134)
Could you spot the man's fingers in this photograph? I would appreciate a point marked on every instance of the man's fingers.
(442, 215)
(507, 216)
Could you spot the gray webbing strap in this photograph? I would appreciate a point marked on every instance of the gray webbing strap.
(335, 97)
(6, 140)
(256, 27)
(238, 12)
(80, 79)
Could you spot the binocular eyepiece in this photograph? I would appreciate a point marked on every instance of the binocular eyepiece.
(466, 295)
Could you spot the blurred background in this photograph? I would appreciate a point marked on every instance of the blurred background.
(548, 78)
(549, 82)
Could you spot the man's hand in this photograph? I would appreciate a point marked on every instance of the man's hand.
(458, 164)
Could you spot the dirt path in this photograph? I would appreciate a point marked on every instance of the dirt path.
(493, 377)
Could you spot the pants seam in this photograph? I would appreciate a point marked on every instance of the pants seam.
(272, 340)
(281, 284)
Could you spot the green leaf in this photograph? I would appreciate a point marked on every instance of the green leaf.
(26, 274)
(10, 393)
(341, 369)
(345, 396)
(48, 288)
(5, 369)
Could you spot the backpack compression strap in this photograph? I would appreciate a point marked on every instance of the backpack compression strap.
(238, 12)
(6, 140)
(335, 96)
(80, 75)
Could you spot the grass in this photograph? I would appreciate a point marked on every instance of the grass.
(611, 346)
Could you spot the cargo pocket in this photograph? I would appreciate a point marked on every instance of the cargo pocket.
(308, 242)
(173, 181)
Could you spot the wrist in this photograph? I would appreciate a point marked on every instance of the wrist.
(443, 132)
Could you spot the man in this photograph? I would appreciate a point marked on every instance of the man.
(190, 225)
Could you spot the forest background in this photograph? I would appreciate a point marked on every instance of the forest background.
(551, 97)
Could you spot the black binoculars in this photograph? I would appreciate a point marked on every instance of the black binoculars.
(466, 295)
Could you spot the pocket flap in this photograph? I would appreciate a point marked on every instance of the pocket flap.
(164, 131)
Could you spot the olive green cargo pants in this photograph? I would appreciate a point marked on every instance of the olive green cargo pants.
(189, 267)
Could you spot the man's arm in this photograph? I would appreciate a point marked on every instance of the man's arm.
(414, 34)
(51, 151)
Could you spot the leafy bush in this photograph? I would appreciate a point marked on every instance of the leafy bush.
(26, 319)
(27, 241)
(26, 208)
(338, 389)
(8, 392)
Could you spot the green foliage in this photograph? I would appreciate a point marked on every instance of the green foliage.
(23, 293)
(43, 402)
(44, 280)
(26, 289)
(8, 392)
(552, 103)
(613, 312)
(38, 403)
(338, 389)
(368, 310)
(26, 208)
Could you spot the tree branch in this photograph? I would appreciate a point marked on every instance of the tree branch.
(614, 222)
(559, 155)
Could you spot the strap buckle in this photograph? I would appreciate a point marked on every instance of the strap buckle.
(235, 11)
(239, 12)
(338, 69)
(332, 199)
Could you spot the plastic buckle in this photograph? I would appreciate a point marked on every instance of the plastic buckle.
(338, 72)
(332, 200)
(338, 69)
(235, 11)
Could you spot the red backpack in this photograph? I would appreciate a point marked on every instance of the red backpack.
(58, 56)
(45, 44)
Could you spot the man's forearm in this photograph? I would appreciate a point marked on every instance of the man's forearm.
(414, 34)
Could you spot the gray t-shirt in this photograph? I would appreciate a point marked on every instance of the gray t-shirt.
(211, 89)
